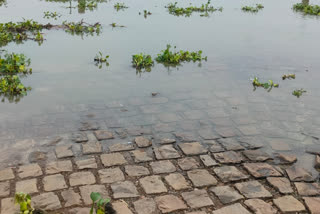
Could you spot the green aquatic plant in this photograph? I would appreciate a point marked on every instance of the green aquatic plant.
(12, 88)
(169, 57)
(267, 85)
(87, 4)
(298, 92)
(253, 9)
(14, 64)
(307, 9)
(3, 2)
(120, 6)
(142, 61)
(53, 15)
(102, 205)
(204, 8)
(81, 28)
(115, 25)
(100, 59)
(288, 76)
(146, 13)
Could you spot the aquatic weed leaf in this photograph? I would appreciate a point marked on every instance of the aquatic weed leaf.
(253, 9)
(298, 92)
(307, 9)
(95, 196)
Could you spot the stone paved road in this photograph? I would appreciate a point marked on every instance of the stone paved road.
(225, 176)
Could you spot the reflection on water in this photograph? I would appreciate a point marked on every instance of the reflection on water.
(215, 97)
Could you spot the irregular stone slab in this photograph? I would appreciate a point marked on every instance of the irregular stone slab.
(119, 147)
(28, 186)
(86, 191)
(317, 163)
(197, 198)
(165, 166)
(167, 141)
(257, 155)
(46, 201)
(166, 152)
(313, 204)
(64, 151)
(79, 210)
(59, 166)
(54, 182)
(71, 198)
(113, 159)
(81, 178)
(228, 157)
(194, 148)
(201, 178)
(226, 132)
(37, 156)
(208, 161)
(197, 212)
(214, 146)
(89, 163)
(136, 171)
(140, 156)
(145, 206)
(313, 149)
(6, 174)
(251, 142)
(79, 137)
(234, 208)
(111, 175)
(307, 189)
(253, 189)
(288, 204)
(248, 130)
(208, 134)
(229, 173)
(258, 206)
(91, 148)
(226, 194)
(31, 170)
(299, 174)
(4, 189)
(279, 145)
(170, 203)
(231, 144)
(121, 207)
(103, 135)
(177, 181)
(125, 189)
(86, 126)
(188, 163)
(142, 142)
(281, 158)
(153, 184)
(185, 137)
(8, 206)
(261, 170)
(282, 184)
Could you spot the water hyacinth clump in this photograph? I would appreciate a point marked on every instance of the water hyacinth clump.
(204, 8)
(253, 9)
(14, 64)
(142, 61)
(307, 9)
(176, 57)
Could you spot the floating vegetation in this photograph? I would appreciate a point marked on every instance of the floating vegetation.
(180, 11)
(268, 85)
(174, 58)
(52, 15)
(298, 92)
(101, 205)
(31, 30)
(288, 76)
(146, 13)
(3, 2)
(253, 9)
(115, 25)
(141, 61)
(120, 6)
(84, 4)
(14, 64)
(81, 28)
(307, 9)
(100, 60)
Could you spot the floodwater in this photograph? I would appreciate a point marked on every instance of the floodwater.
(69, 89)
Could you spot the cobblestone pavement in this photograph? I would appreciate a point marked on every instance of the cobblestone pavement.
(158, 175)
